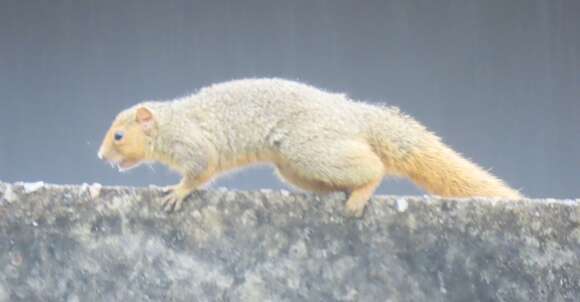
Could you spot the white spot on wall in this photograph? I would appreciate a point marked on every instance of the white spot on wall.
(95, 190)
(402, 205)
(30, 187)
(9, 194)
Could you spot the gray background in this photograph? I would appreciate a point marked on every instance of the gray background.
(498, 80)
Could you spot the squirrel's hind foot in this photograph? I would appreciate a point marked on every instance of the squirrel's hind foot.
(354, 210)
(358, 199)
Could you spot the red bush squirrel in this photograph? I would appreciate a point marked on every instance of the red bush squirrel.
(318, 141)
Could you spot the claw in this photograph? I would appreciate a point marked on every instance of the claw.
(171, 202)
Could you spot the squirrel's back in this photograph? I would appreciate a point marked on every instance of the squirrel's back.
(276, 96)
(248, 112)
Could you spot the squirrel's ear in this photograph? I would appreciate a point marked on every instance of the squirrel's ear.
(145, 118)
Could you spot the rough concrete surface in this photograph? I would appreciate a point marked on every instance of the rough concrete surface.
(92, 243)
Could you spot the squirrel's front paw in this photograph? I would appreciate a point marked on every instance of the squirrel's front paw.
(173, 201)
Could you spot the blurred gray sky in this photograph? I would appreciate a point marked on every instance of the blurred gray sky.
(498, 80)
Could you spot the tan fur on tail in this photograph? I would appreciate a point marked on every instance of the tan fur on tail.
(442, 171)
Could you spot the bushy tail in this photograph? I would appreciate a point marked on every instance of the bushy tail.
(441, 171)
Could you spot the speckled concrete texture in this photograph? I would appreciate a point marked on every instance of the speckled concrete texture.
(93, 243)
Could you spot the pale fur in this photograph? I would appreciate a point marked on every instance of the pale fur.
(318, 141)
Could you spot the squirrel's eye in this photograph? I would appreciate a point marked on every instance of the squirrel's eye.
(118, 135)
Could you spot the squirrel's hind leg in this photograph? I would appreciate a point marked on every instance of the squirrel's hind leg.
(359, 197)
(340, 165)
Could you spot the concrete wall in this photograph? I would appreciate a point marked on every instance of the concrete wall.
(87, 243)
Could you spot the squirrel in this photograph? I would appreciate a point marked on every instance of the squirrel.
(318, 141)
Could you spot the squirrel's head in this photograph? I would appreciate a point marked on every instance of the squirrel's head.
(126, 143)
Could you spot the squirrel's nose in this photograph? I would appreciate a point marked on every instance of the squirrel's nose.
(100, 154)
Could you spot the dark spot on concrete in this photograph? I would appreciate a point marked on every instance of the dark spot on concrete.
(109, 225)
